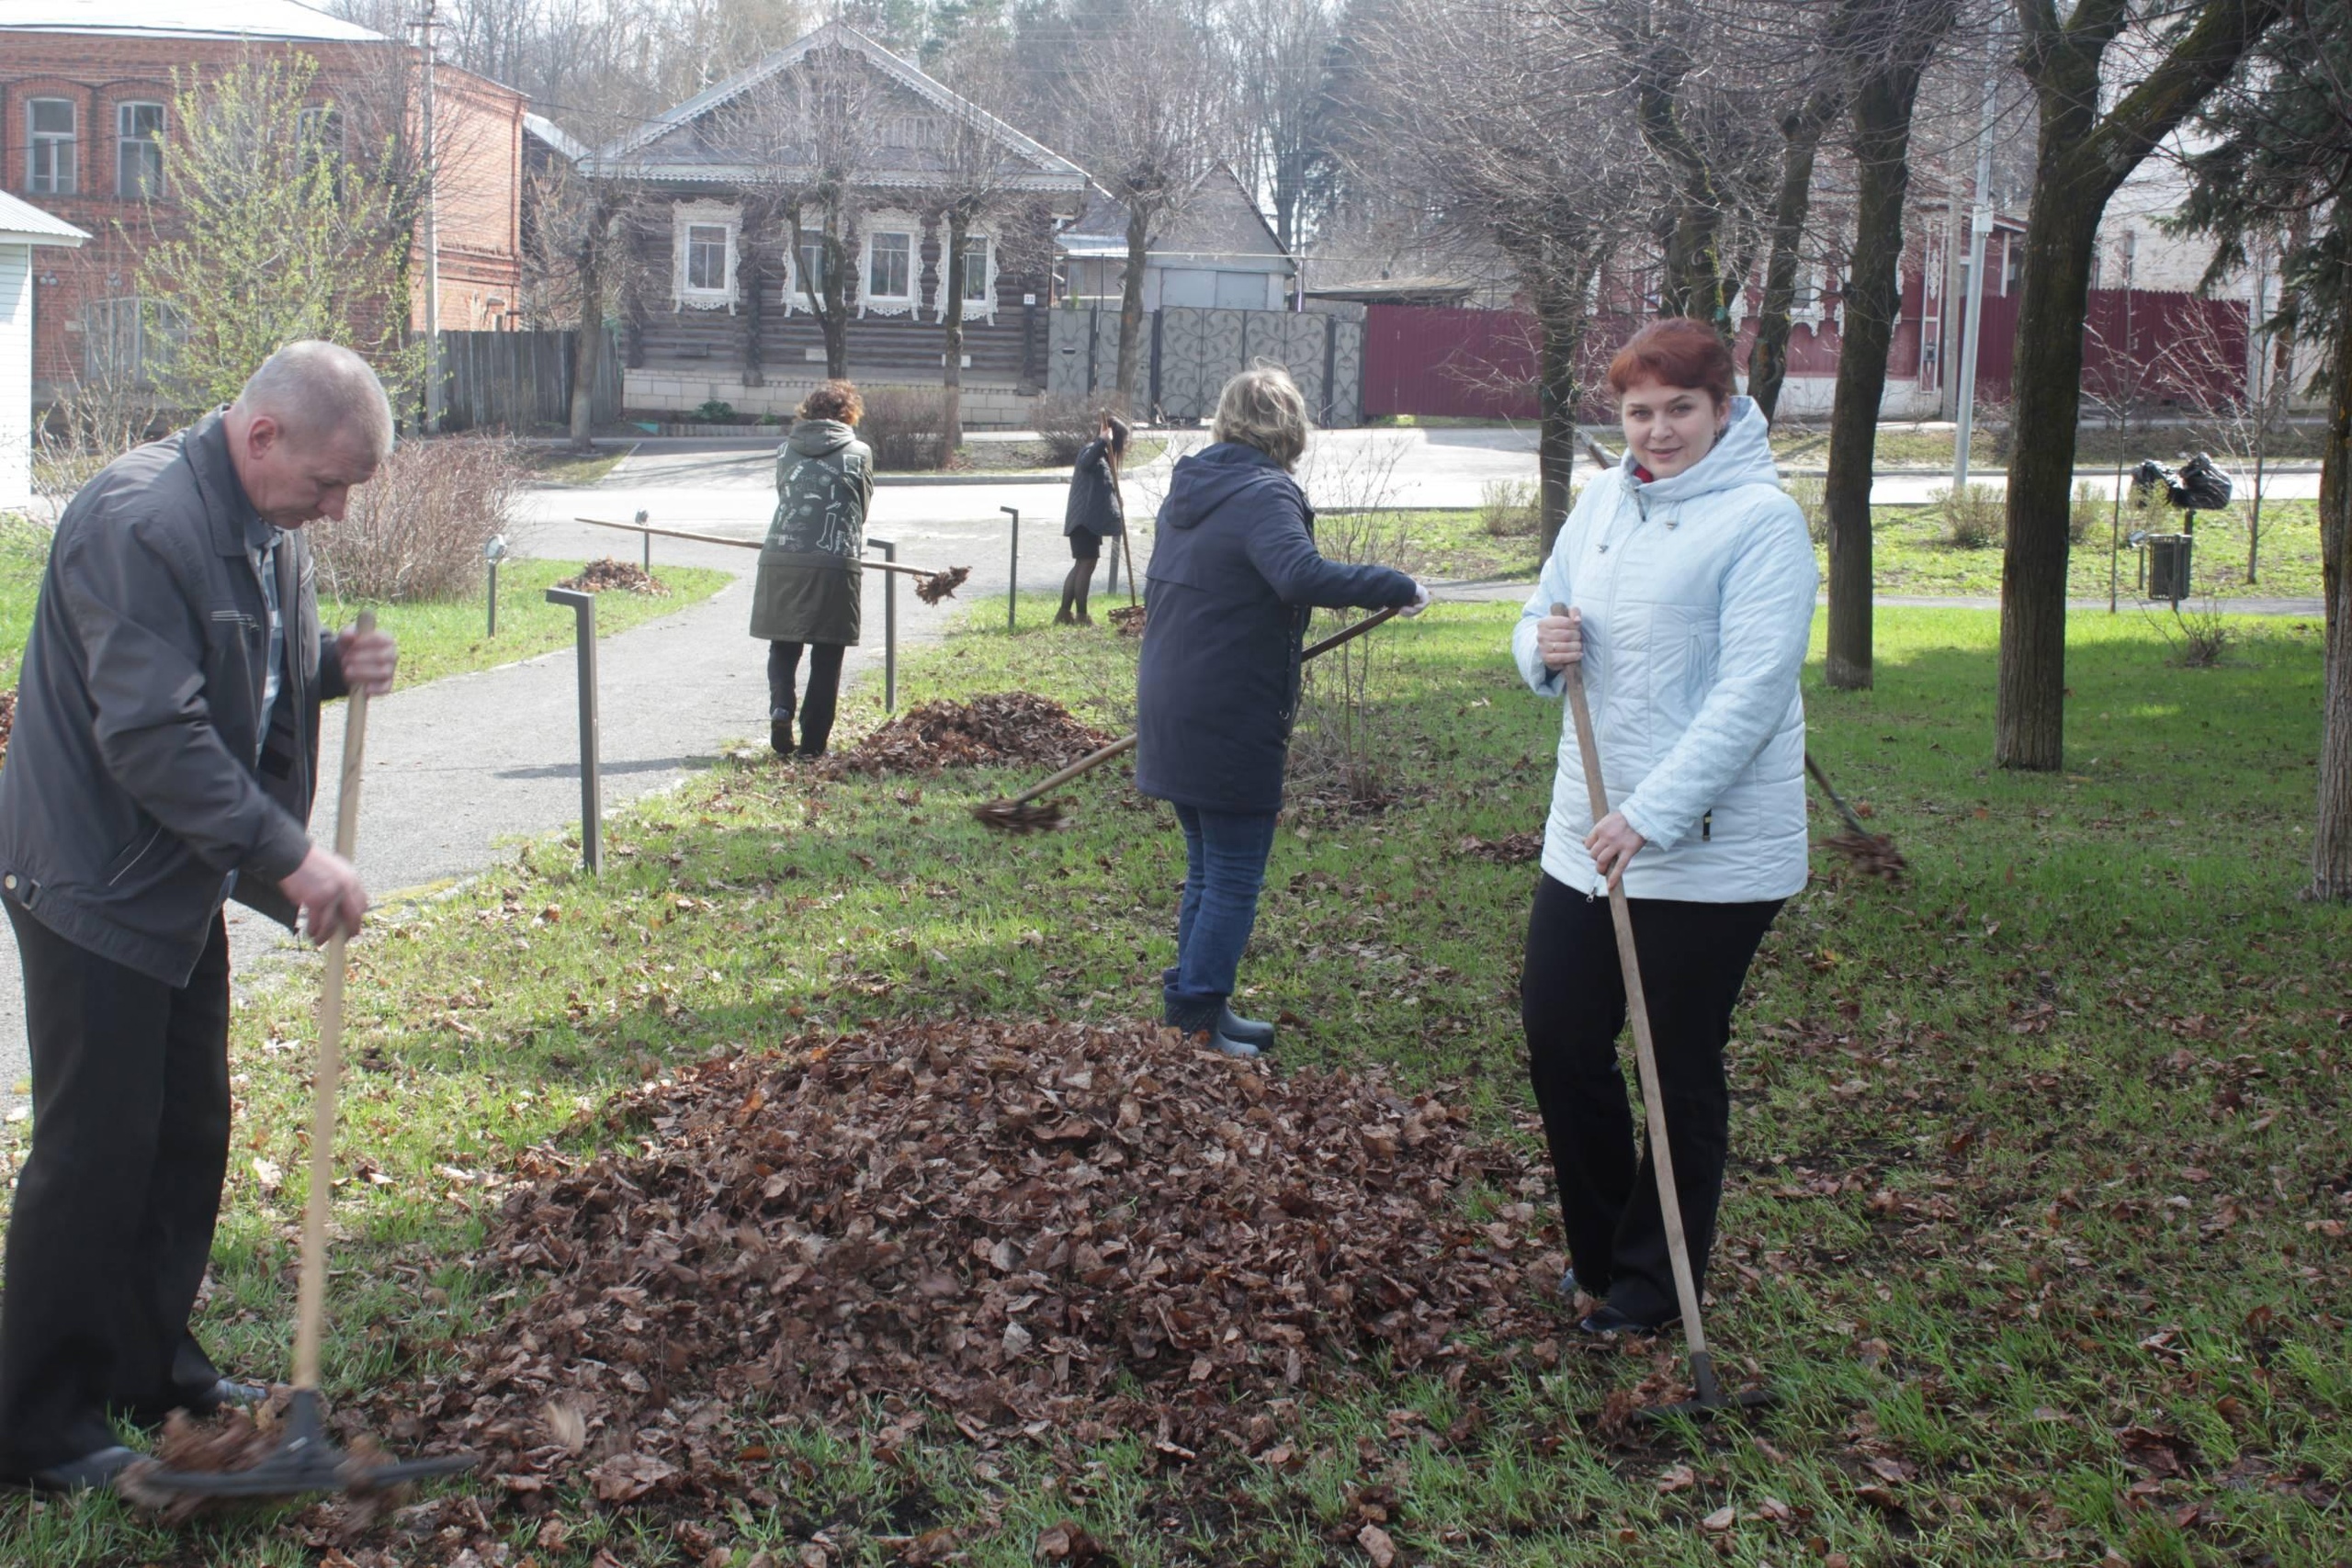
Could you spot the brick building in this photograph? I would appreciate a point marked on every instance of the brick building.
(87, 89)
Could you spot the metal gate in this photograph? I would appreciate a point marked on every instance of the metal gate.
(1187, 353)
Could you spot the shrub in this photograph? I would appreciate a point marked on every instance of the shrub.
(2089, 509)
(1507, 507)
(715, 412)
(416, 530)
(907, 426)
(1975, 517)
(2198, 636)
(1066, 422)
(1811, 492)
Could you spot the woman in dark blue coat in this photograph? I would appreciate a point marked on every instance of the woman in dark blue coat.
(1095, 513)
(1234, 576)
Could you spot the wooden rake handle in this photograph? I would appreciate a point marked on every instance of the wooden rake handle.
(1095, 760)
(326, 1084)
(1685, 1288)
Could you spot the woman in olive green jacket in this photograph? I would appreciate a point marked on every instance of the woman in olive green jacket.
(808, 589)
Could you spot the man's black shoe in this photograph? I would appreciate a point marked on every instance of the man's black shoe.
(780, 737)
(1607, 1320)
(230, 1392)
(91, 1471)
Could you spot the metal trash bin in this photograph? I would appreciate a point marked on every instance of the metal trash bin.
(2168, 561)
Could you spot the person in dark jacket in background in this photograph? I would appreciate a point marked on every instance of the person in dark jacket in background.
(808, 591)
(1234, 578)
(1095, 513)
(164, 761)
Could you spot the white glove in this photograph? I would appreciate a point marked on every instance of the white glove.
(1420, 600)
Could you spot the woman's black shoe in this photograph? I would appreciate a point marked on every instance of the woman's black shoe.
(1605, 1320)
(1254, 1031)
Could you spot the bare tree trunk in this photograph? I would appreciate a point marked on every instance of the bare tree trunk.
(952, 377)
(587, 340)
(1561, 324)
(1767, 360)
(1882, 101)
(2082, 157)
(2332, 835)
(1131, 299)
(832, 309)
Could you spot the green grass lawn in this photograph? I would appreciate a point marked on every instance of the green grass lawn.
(2040, 1192)
(1910, 554)
(436, 640)
(561, 466)
(2095, 444)
(446, 639)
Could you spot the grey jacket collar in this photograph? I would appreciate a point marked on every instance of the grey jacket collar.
(237, 529)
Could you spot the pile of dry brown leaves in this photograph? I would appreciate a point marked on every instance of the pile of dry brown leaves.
(1022, 1228)
(7, 721)
(994, 730)
(609, 575)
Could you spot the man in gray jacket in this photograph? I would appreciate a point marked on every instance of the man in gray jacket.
(163, 760)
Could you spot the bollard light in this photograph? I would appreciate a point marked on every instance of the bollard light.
(493, 551)
(1012, 584)
(583, 609)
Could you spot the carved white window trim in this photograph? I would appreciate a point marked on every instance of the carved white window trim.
(984, 307)
(684, 217)
(889, 222)
(1805, 310)
(792, 275)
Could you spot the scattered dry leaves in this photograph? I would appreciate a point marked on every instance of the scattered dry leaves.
(995, 730)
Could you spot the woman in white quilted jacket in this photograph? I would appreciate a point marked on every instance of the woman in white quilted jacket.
(1689, 585)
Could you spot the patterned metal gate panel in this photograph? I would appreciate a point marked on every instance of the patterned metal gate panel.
(1189, 353)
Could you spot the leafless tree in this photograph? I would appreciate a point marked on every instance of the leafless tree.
(1491, 158)
(810, 132)
(1280, 52)
(1884, 47)
(1152, 118)
(2174, 54)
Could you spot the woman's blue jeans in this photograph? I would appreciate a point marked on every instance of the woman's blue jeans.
(1225, 865)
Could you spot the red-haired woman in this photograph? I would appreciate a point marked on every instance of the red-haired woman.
(1689, 586)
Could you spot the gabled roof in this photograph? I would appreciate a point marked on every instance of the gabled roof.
(1220, 218)
(22, 223)
(176, 18)
(638, 155)
(546, 130)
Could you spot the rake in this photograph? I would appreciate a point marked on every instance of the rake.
(305, 1459)
(1025, 813)
(1710, 1399)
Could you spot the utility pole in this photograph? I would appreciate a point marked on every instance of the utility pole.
(1980, 220)
(431, 164)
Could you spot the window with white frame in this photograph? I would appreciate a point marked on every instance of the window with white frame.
(808, 273)
(139, 150)
(703, 243)
(125, 342)
(888, 262)
(50, 144)
(979, 276)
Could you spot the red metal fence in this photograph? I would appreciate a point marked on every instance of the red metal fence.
(2153, 349)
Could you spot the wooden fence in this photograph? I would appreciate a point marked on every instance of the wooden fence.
(520, 381)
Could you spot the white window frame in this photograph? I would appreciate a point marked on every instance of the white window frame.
(684, 218)
(875, 225)
(984, 307)
(794, 272)
(64, 176)
(150, 184)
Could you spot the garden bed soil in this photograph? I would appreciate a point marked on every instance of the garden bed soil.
(997, 729)
(1025, 1230)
